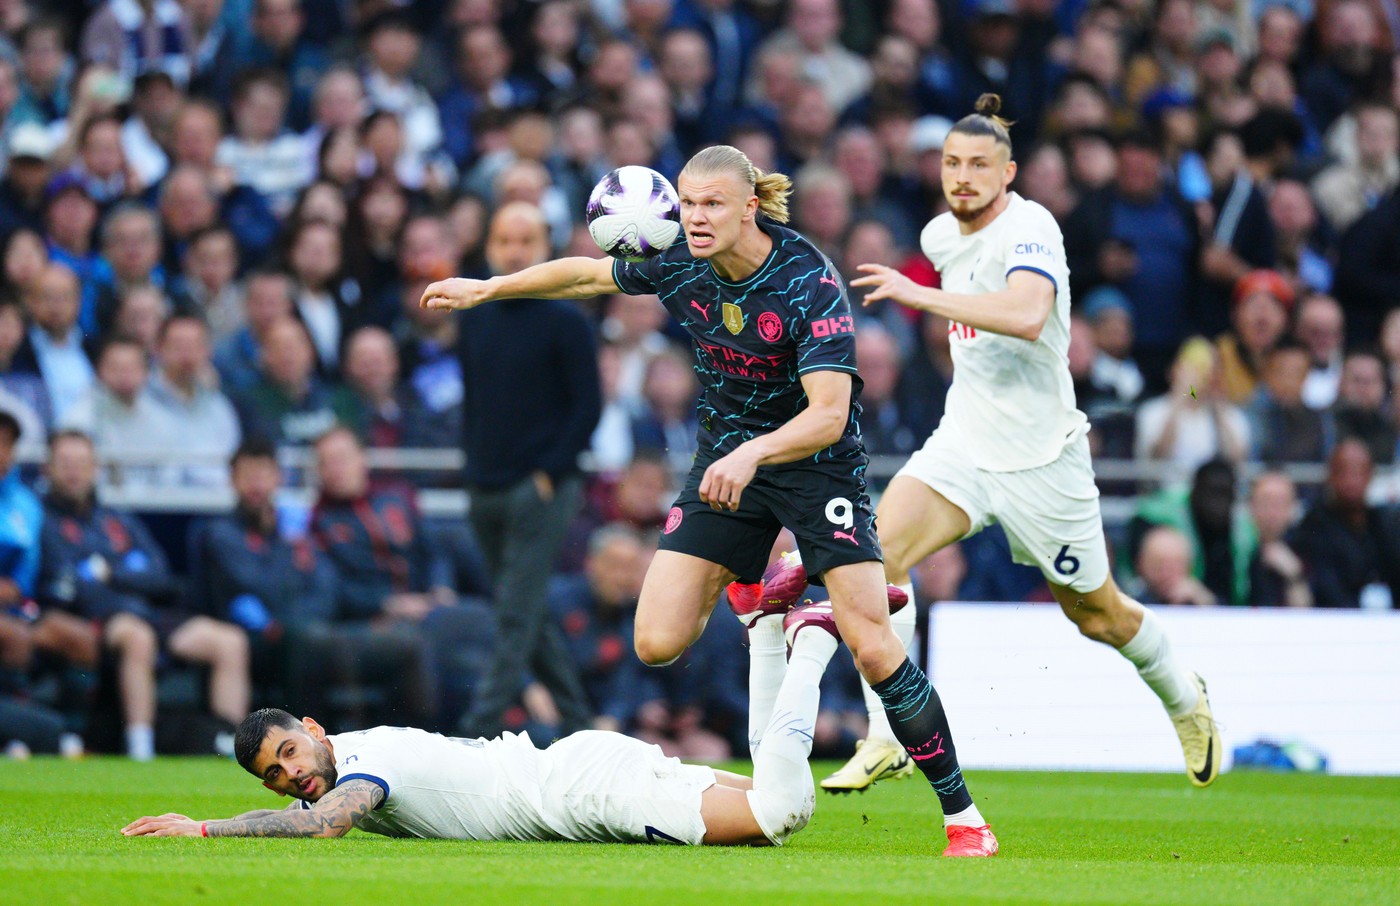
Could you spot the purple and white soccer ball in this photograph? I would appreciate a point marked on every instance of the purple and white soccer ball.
(633, 213)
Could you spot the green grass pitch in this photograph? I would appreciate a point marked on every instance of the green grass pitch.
(1066, 838)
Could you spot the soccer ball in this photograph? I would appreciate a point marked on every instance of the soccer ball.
(633, 213)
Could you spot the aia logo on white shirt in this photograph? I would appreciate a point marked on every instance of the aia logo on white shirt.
(961, 331)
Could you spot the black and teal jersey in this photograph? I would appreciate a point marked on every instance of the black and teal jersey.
(756, 337)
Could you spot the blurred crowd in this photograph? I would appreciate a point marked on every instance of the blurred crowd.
(217, 218)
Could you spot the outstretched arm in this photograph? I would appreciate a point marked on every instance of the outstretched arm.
(1019, 311)
(564, 278)
(333, 816)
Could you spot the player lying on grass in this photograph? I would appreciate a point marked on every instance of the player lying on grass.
(591, 786)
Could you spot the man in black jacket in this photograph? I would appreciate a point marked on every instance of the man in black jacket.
(522, 448)
(1351, 549)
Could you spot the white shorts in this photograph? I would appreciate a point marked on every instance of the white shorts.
(609, 788)
(1050, 514)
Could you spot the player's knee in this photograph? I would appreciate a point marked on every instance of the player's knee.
(780, 813)
(656, 650)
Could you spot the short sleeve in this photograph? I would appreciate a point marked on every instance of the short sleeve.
(1032, 246)
(637, 278)
(827, 338)
(369, 762)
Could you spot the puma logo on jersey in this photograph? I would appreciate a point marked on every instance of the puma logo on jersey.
(829, 279)
(703, 309)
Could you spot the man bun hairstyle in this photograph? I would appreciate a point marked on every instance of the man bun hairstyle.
(248, 739)
(771, 189)
(985, 121)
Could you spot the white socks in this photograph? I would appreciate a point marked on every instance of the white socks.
(767, 666)
(783, 794)
(1151, 653)
(968, 817)
(140, 742)
(903, 623)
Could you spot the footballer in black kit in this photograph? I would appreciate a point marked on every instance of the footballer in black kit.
(753, 340)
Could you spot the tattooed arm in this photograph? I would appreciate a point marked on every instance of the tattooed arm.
(332, 816)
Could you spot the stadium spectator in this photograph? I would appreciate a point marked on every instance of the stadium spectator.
(926, 377)
(871, 241)
(1283, 428)
(216, 44)
(1240, 235)
(267, 300)
(324, 299)
(196, 136)
(1261, 304)
(1117, 381)
(377, 222)
(29, 725)
(55, 348)
(131, 246)
(184, 387)
(1321, 329)
(482, 82)
(100, 163)
(19, 378)
(389, 581)
(392, 414)
(288, 403)
(282, 593)
(883, 424)
(684, 63)
(1370, 171)
(857, 153)
(1351, 549)
(522, 461)
(279, 42)
(1348, 65)
(1277, 577)
(207, 286)
(810, 30)
(120, 415)
(22, 196)
(1138, 235)
(70, 216)
(338, 107)
(666, 422)
(1360, 411)
(133, 38)
(46, 73)
(822, 207)
(140, 311)
(1302, 253)
(1194, 421)
(594, 609)
(101, 565)
(260, 152)
(1164, 570)
(1219, 537)
(145, 133)
(1368, 267)
(391, 49)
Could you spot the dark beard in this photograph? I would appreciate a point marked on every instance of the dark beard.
(970, 216)
(325, 769)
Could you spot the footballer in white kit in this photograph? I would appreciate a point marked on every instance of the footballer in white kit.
(1012, 446)
(591, 786)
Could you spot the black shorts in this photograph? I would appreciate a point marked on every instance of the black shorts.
(825, 506)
